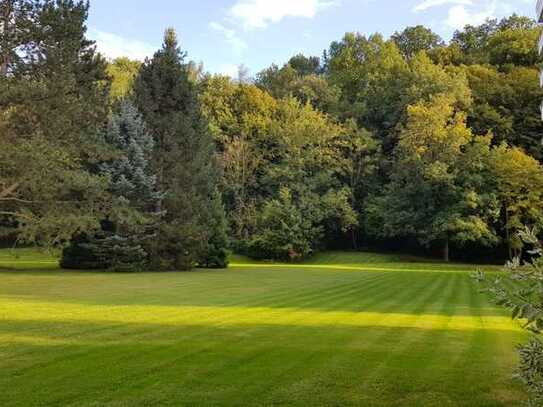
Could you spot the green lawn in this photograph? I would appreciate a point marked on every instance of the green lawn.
(344, 329)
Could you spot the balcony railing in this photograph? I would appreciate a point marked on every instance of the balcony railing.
(539, 11)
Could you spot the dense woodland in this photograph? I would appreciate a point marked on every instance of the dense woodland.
(406, 143)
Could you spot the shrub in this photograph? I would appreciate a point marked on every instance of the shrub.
(521, 291)
(104, 251)
(286, 233)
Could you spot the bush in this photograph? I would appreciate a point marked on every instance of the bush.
(521, 290)
(215, 258)
(215, 253)
(104, 252)
(173, 247)
(285, 233)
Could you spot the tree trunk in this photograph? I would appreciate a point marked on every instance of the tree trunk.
(354, 239)
(6, 10)
(446, 249)
(508, 233)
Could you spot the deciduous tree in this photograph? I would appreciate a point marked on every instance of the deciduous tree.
(413, 40)
(518, 179)
(437, 188)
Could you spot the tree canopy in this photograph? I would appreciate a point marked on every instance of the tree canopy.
(380, 140)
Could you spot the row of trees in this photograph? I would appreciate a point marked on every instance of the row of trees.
(123, 185)
(386, 140)
(156, 164)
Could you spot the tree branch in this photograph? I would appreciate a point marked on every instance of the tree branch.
(15, 215)
(16, 200)
(9, 190)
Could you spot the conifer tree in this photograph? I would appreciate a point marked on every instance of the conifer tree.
(120, 244)
(130, 173)
(53, 101)
(183, 158)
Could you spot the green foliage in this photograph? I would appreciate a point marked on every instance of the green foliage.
(53, 101)
(183, 157)
(371, 74)
(105, 250)
(504, 104)
(380, 139)
(16, 17)
(473, 41)
(518, 182)
(378, 83)
(359, 159)
(305, 65)
(301, 81)
(119, 245)
(531, 369)
(521, 291)
(268, 145)
(292, 228)
(437, 187)
(509, 41)
(286, 231)
(304, 184)
(122, 72)
(514, 47)
(241, 117)
(216, 254)
(413, 40)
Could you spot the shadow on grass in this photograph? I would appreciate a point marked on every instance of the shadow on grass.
(61, 363)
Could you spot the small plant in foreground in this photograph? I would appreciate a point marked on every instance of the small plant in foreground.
(521, 291)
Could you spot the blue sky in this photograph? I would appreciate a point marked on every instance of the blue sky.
(226, 33)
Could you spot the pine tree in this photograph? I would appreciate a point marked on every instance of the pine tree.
(53, 101)
(183, 158)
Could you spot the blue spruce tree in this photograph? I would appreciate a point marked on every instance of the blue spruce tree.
(120, 245)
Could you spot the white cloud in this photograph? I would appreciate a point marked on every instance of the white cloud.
(473, 12)
(114, 46)
(426, 4)
(460, 16)
(260, 13)
(238, 45)
(230, 70)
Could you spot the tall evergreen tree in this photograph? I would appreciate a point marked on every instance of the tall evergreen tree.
(53, 101)
(183, 157)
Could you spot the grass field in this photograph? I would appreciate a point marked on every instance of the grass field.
(344, 329)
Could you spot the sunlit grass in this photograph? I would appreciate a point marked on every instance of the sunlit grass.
(377, 330)
(221, 316)
(21, 259)
(366, 261)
